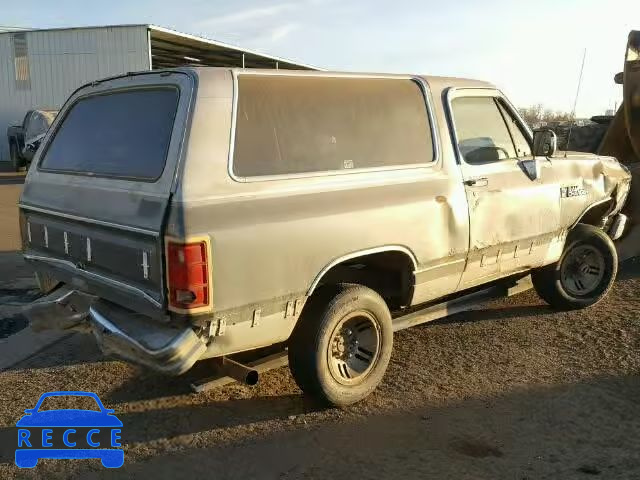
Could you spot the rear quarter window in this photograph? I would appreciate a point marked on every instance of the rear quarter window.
(303, 124)
(122, 134)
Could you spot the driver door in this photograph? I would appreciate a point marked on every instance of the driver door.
(513, 198)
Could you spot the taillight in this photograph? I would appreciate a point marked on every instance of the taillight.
(189, 275)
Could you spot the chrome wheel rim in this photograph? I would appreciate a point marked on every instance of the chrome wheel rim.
(354, 347)
(582, 270)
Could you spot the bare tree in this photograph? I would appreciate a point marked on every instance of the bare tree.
(538, 113)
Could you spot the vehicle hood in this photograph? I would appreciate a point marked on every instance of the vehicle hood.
(69, 418)
(616, 177)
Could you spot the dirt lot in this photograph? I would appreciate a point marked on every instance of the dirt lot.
(512, 391)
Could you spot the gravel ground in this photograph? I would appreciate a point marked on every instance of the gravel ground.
(513, 390)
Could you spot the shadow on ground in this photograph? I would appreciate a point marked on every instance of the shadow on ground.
(563, 431)
(76, 349)
(15, 274)
(629, 269)
(567, 431)
(500, 313)
(13, 324)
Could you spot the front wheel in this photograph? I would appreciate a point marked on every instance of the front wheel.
(584, 274)
(341, 346)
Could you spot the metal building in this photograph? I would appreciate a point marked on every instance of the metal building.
(40, 68)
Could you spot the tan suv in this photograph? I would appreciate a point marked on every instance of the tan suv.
(206, 212)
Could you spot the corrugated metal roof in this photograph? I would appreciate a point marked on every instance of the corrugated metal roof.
(208, 43)
(6, 28)
(87, 27)
(194, 41)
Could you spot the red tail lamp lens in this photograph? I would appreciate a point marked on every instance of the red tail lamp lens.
(188, 275)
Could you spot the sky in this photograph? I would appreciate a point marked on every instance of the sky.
(532, 50)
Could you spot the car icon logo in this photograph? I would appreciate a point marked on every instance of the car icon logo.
(69, 433)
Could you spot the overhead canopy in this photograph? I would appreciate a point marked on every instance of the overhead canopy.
(172, 49)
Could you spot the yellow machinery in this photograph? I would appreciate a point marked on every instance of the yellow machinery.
(622, 140)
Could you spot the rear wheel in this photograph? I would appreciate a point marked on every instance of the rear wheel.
(583, 275)
(341, 346)
(14, 157)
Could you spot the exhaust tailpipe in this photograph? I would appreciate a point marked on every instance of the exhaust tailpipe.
(237, 371)
(228, 370)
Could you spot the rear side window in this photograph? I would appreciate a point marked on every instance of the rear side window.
(122, 134)
(292, 125)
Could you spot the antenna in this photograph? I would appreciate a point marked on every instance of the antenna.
(575, 103)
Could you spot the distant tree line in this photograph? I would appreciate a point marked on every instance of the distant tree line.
(538, 113)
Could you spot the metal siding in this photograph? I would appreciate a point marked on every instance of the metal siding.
(62, 60)
(8, 95)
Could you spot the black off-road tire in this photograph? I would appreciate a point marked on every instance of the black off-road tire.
(553, 288)
(310, 345)
(14, 157)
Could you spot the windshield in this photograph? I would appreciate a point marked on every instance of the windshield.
(122, 134)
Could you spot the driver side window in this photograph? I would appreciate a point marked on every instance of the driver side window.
(483, 136)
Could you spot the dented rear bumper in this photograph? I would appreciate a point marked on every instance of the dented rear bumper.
(65, 309)
(120, 332)
(142, 340)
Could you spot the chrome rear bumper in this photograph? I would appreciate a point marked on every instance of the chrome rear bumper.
(142, 340)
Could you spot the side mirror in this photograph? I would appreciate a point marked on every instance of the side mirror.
(545, 143)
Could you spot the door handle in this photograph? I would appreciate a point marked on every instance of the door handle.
(477, 182)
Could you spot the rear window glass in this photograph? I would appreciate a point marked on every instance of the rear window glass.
(124, 134)
(290, 125)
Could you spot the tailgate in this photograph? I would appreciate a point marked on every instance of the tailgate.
(113, 262)
(95, 200)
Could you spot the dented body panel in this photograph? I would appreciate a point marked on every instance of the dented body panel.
(274, 241)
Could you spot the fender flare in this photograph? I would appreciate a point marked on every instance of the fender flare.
(361, 253)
